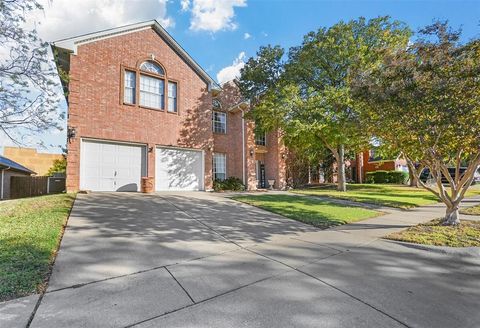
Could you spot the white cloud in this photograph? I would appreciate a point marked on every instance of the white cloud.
(233, 71)
(185, 4)
(66, 18)
(214, 15)
(247, 36)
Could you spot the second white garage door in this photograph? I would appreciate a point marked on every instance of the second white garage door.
(178, 169)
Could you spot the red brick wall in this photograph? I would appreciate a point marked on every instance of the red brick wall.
(375, 166)
(231, 142)
(275, 167)
(95, 108)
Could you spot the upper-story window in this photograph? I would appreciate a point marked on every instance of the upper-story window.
(152, 92)
(219, 122)
(148, 86)
(152, 67)
(130, 87)
(172, 96)
(260, 137)
(216, 104)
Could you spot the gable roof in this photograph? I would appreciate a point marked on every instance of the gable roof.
(71, 44)
(8, 163)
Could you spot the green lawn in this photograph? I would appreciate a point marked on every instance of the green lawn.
(319, 213)
(433, 233)
(381, 194)
(474, 210)
(30, 230)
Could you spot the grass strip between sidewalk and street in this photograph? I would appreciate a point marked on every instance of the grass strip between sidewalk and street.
(467, 234)
(474, 210)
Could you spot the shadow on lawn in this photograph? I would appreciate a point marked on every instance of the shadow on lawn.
(378, 197)
(326, 214)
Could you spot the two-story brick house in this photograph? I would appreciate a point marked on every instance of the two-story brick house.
(139, 105)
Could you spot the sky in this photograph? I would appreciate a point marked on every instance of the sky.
(222, 34)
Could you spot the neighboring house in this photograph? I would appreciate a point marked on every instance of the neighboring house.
(369, 161)
(29, 157)
(139, 105)
(8, 169)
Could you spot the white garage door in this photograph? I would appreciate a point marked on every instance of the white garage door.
(178, 169)
(109, 166)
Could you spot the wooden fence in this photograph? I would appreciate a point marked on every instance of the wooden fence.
(34, 186)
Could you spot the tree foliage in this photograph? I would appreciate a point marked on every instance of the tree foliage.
(424, 101)
(310, 93)
(28, 81)
(59, 166)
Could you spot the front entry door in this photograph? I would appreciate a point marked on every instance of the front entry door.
(261, 177)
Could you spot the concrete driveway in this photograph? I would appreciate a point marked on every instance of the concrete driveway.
(201, 260)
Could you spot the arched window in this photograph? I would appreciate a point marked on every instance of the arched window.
(148, 86)
(152, 67)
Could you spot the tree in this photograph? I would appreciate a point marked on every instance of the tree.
(424, 101)
(28, 87)
(324, 67)
(310, 92)
(59, 166)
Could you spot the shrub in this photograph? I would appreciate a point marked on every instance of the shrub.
(231, 183)
(397, 177)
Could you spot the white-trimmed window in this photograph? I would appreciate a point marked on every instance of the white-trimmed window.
(152, 67)
(172, 97)
(219, 166)
(219, 122)
(152, 92)
(260, 138)
(130, 89)
(147, 85)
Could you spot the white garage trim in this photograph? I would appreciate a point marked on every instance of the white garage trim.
(122, 171)
(176, 180)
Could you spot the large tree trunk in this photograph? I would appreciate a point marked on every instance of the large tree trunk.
(412, 177)
(342, 183)
(452, 216)
(459, 183)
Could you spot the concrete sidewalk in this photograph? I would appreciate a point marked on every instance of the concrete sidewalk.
(203, 260)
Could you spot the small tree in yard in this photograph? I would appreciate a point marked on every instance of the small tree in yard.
(28, 82)
(424, 102)
(59, 166)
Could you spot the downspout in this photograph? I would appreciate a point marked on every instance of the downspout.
(3, 178)
(243, 147)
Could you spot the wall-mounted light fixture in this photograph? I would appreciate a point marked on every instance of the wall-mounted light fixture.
(71, 133)
(150, 149)
(251, 152)
(284, 156)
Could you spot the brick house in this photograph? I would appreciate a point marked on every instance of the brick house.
(369, 161)
(139, 105)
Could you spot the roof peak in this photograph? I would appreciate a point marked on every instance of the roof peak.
(72, 43)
